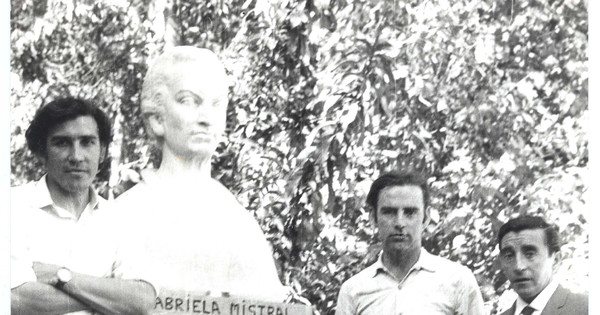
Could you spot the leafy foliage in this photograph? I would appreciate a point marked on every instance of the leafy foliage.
(488, 98)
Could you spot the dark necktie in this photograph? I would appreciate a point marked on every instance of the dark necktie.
(528, 310)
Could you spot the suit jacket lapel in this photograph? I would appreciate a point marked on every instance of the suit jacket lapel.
(511, 310)
(556, 302)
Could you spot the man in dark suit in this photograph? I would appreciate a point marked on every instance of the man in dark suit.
(529, 249)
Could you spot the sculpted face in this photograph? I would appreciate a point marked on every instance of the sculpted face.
(400, 218)
(73, 153)
(525, 260)
(194, 111)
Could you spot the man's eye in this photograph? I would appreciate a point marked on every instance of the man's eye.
(507, 255)
(88, 142)
(410, 212)
(60, 143)
(529, 254)
(387, 211)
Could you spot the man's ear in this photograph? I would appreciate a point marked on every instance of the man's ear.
(426, 218)
(103, 155)
(42, 156)
(373, 217)
(556, 262)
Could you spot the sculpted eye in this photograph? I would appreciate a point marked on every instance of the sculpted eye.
(220, 102)
(187, 100)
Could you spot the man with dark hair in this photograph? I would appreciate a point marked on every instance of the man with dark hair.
(529, 249)
(406, 279)
(58, 112)
(61, 253)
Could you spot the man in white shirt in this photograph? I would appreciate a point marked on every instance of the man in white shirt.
(406, 279)
(191, 233)
(529, 249)
(61, 251)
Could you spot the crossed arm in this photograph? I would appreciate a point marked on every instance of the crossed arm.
(105, 295)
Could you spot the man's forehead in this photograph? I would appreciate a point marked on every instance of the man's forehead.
(81, 126)
(529, 237)
(404, 192)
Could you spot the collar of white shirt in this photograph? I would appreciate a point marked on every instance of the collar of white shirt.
(423, 263)
(41, 199)
(540, 301)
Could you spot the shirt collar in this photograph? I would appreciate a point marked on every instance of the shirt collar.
(43, 199)
(425, 262)
(540, 301)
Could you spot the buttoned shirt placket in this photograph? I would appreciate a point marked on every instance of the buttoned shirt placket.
(417, 267)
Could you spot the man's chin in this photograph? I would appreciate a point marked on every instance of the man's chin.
(74, 187)
(527, 293)
(72, 182)
(398, 246)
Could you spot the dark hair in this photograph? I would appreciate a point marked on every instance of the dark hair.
(398, 179)
(60, 111)
(532, 223)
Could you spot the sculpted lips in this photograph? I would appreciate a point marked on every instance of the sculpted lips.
(202, 135)
(202, 132)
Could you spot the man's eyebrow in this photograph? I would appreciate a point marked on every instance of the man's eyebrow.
(388, 208)
(529, 247)
(65, 137)
(60, 137)
(88, 137)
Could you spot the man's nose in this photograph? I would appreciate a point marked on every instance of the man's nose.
(520, 263)
(400, 220)
(77, 153)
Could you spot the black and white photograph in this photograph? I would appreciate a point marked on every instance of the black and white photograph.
(309, 157)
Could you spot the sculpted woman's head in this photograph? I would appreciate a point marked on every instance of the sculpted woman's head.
(184, 101)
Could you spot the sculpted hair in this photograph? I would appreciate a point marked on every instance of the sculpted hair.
(60, 111)
(398, 179)
(157, 79)
(532, 223)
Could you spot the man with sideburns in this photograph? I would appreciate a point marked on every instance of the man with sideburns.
(529, 252)
(62, 251)
(192, 235)
(406, 279)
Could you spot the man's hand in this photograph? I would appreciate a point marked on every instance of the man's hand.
(46, 273)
